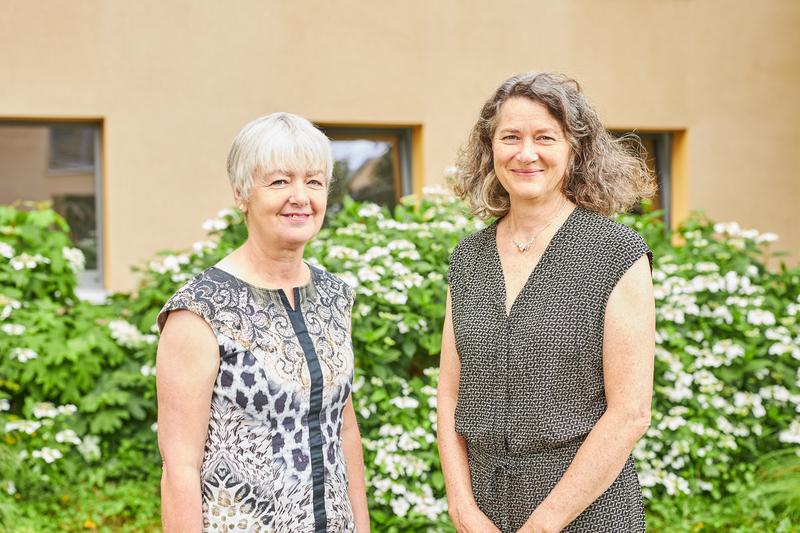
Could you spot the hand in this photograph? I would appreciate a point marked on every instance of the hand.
(529, 528)
(470, 519)
(536, 525)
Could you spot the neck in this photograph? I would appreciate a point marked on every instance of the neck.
(269, 266)
(526, 217)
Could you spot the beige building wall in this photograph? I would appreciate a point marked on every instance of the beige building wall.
(173, 82)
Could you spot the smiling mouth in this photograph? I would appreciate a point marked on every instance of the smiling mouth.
(527, 171)
(297, 217)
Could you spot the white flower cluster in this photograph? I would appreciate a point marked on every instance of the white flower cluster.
(68, 436)
(26, 426)
(13, 329)
(48, 455)
(128, 335)
(27, 261)
(6, 250)
(8, 486)
(23, 355)
(370, 211)
(405, 402)
(214, 224)
(785, 343)
(89, 448)
(791, 435)
(50, 410)
(735, 233)
(7, 306)
(170, 263)
(201, 247)
(75, 259)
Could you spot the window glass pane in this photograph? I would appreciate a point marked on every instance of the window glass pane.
(27, 154)
(71, 148)
(649, 144)
(371, 164)
(79, 212)
(366, 170)
(658, 156)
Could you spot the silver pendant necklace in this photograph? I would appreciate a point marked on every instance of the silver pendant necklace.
(524, 246)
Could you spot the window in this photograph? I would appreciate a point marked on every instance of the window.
(370, 164)
(58, 162)
(658, 148)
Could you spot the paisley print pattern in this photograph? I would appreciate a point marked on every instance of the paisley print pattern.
(531, 382)
(259, 472)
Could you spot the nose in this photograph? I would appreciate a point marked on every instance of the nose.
(299, 194)
(527, 152)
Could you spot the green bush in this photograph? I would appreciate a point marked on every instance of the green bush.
(727, 369)
(76, 388)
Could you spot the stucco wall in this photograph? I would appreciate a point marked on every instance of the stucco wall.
(174, 81)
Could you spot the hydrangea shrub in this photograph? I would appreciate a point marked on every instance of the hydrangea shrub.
(727, 361)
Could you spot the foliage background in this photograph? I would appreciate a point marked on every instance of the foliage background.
(77, 387)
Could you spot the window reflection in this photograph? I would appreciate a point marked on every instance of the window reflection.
(369, 165)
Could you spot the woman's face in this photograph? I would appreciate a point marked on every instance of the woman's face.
(531, 153)
(287, 207)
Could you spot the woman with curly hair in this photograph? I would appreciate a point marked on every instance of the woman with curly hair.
(548, 344)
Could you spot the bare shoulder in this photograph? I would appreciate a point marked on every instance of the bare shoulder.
(638, 277)
(184, 324)
(632, 297)
(186, 337)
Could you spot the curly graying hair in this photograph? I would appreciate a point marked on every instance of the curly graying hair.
(605, 174)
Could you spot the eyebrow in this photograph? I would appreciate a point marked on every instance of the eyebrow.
(291, 173)
(540, 130)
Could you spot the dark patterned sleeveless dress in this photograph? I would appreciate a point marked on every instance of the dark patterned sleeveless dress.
(273, 458)
(531, 384)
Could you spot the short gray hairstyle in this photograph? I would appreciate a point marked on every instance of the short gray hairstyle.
(277, 142)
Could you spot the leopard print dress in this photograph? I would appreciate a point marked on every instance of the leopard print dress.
(531, 382)
(273, 458)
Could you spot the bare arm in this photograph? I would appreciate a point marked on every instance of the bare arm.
(628, 353)
(464, 512)
(354, 461)
(186, 367)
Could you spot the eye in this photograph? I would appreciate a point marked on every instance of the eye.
(547, 139)
(508, 138)
(316, 182)
(278, 182)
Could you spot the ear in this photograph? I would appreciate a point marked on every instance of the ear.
(241, 203)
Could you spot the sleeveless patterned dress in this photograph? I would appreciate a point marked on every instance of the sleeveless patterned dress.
(531, 384)
(273, 458)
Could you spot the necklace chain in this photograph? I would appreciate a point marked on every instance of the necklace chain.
(524, 246)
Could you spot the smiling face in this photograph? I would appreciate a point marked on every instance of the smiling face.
(286, 207)
(531, 153)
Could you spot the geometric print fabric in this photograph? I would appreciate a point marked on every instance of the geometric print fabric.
(531, 382)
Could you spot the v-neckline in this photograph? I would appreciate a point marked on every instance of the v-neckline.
(558, 235)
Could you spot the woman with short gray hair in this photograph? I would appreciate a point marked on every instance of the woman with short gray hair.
(256, 424)
(548, 344)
